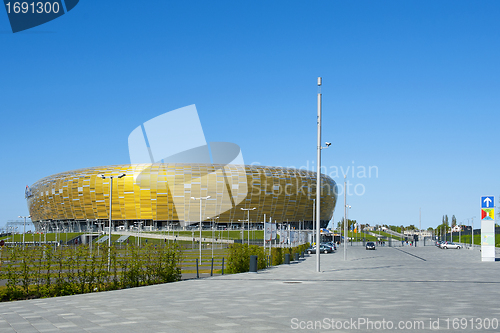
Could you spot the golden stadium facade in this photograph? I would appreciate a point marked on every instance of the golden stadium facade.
(162, 195)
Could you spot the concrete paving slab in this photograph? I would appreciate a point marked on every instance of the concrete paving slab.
(423, 287)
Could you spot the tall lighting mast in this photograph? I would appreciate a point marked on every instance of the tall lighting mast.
(318, 180)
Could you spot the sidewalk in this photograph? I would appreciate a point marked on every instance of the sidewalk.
(392, 284)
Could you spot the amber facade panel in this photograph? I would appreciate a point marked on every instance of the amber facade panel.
(162, 193)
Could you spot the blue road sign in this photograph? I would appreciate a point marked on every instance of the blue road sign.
(488, 202)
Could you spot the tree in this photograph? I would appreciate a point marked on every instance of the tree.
(350, 222)
(453, 221)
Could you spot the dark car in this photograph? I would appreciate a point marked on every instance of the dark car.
(370, 246)
(322, 248)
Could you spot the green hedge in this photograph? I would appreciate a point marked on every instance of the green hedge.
(43, 271)
(238, 260)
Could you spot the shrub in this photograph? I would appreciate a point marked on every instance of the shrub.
(276, 256)
(238, 259)
(46, 271)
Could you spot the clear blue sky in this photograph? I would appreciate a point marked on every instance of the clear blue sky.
(410, 87)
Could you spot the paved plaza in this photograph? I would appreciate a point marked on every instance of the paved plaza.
(399, 288)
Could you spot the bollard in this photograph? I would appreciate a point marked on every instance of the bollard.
(253, 264)
(296, 257)
(212, 268)
(302, 254)
(287, 258)
(222, 266)
(197, 272)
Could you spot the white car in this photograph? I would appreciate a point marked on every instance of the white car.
(450, 245)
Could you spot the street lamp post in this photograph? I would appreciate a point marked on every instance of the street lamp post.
(24, 230)
(314, 219)
(201, 225)
(420, 224)
(345, 218)
(110, 211)
(45, 232)
(242, 230)
(213, 223)
(99, 224)
(472, 232)
(90, 223)
(57, 234)
(318, 179)
(39, 234)
(139, 228)
(248, 210)
(460, 233)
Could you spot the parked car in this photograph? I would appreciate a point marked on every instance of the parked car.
(450, 245)
(330, 244)
(370, 246)
(322, 248)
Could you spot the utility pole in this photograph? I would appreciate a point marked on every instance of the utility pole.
(318, 180)
(345, 219)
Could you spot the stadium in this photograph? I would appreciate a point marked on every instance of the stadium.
(167, 195)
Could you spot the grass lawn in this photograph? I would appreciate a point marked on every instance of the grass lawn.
(190, 256)
(224, 234)
(358, 237)
(49, 237)
(389, 235)
(477, 239)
